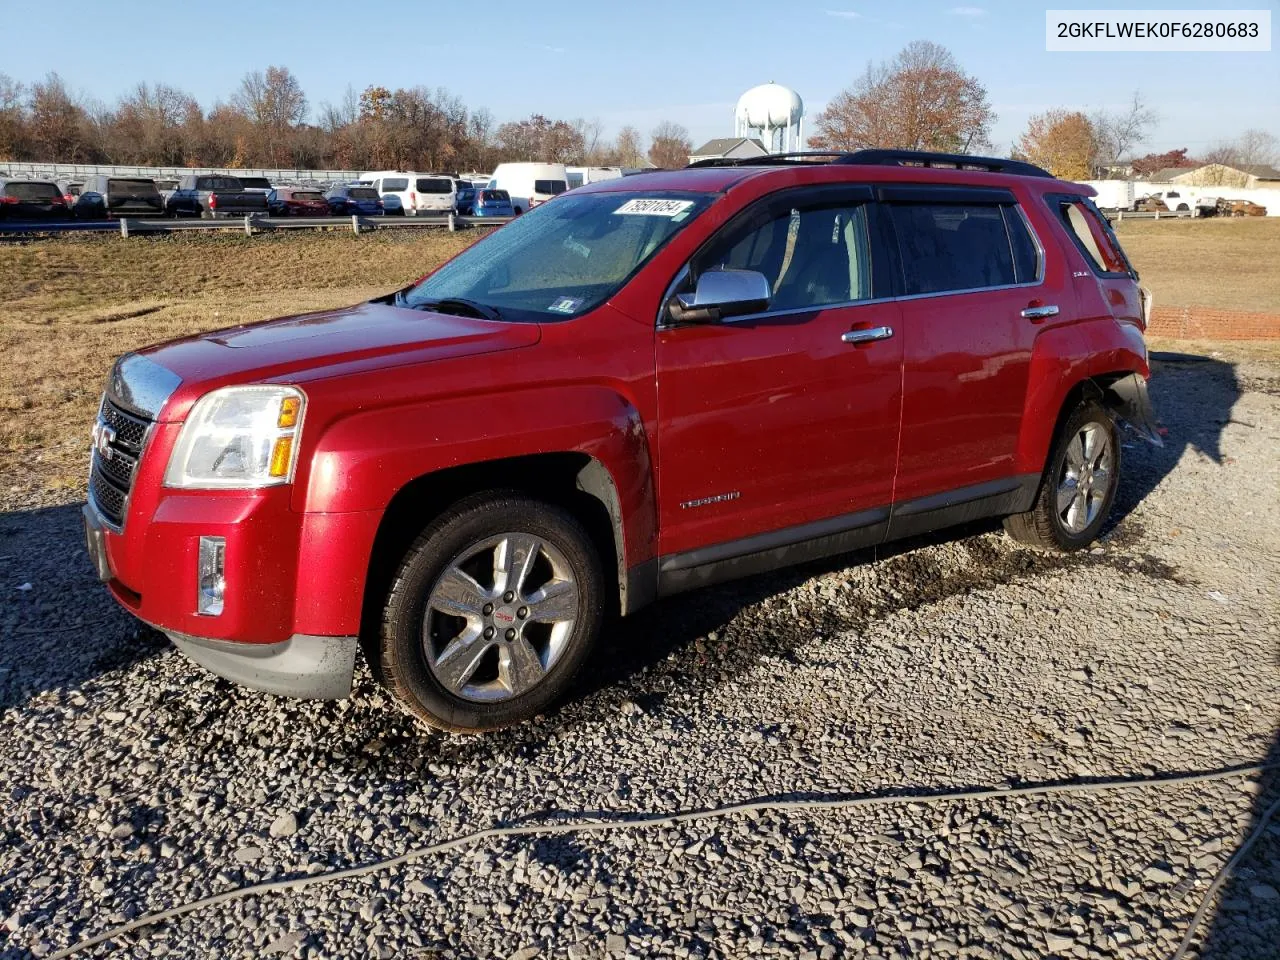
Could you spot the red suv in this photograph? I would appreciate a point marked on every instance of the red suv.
(644, 386)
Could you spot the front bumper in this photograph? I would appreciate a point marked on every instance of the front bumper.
(302, 666)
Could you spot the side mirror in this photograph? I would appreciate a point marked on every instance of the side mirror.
(721, 294)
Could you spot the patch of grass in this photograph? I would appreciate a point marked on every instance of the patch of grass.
(1232, 263)
(73, 304)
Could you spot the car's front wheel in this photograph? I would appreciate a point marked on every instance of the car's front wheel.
(491, 613)
(1079, 484)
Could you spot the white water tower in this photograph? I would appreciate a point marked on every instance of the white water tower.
(774, 113)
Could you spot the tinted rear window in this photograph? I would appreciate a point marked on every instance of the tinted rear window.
(948, 246)
(500, 196)
(549, 186)
(393, 184)
(134, 189)
(435, 185)
(257, 183)
(306, 195)
(32, 192)
(218, 183)
(363, 193)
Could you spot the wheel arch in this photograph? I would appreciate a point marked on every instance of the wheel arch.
(575, 481)
(1115, 390)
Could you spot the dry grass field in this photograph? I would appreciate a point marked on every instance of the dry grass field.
(72, 304)
(1229, 263)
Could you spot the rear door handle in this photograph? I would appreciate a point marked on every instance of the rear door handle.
(1040, 313)
(868, 335)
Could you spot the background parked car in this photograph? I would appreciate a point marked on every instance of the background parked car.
(492, 203)
(106, 198)
(297, 202)
(32, 200)
(530, 184)
(465, 197)
(255, 184)
(416, 193)
(166, 188)
(1241, 208)
(214, 195)
(348, 198)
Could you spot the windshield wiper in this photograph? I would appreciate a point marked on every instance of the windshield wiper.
(452, 305)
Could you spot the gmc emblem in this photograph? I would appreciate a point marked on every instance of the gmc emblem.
(103, 437)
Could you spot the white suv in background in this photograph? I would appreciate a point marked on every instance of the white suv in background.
(416, 193)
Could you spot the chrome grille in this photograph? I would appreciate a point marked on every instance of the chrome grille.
(121, 436)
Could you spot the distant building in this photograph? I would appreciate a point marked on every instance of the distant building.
(735, 148)
(1245, 175)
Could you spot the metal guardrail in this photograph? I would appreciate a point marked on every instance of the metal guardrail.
(127, 227)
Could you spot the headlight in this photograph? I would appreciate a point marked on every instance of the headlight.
(239, 437)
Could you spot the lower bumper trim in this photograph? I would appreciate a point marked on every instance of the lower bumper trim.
(319, 668)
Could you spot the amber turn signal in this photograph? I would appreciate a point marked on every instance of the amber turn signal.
(281, 455)
(290, 407)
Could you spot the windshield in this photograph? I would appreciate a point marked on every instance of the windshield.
(562, 258)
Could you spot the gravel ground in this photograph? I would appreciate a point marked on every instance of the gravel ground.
(133, 781)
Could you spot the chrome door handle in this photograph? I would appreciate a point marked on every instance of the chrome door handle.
(867, 335)
(1040, 313)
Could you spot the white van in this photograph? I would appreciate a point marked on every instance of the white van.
(529, 184)
(579, 176)
(414, 193)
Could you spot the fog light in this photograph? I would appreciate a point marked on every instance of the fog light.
(211, 575)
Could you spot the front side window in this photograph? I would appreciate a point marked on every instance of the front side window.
(393, 184)
(561, 259)
(812, 256)
(953, 246)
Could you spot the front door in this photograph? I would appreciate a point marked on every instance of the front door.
(782, 426)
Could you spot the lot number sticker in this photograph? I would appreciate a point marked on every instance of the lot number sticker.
(655, 208)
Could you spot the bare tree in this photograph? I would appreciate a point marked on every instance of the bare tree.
(275, 103)
(1117, 132)
(592, 132)
(669, 145)
(628, 148)
(921, 100)
(1062, 142)
(13, 119)
(1257, 147)
(57, 122)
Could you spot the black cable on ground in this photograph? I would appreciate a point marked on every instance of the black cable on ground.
(642, 821)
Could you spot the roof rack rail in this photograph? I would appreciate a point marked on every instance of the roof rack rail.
(958, 161)
(895, 158)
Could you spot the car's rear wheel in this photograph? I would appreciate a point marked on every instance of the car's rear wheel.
(1079, 484)
(491, 613)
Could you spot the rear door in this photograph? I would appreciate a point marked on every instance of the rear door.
(778, 423)
(975, 298)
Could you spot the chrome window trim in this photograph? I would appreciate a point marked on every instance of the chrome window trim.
(1041, 259)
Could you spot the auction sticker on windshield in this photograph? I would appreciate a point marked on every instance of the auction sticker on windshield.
(655, 207)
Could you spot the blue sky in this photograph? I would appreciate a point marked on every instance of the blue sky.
(638, 63)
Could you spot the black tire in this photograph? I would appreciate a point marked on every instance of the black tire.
(462, 528)
(1043, 526)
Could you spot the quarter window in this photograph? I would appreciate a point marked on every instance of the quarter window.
(812, 256)
(952, 246)
(1092, 238)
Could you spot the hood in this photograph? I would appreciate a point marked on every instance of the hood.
(312, 345)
